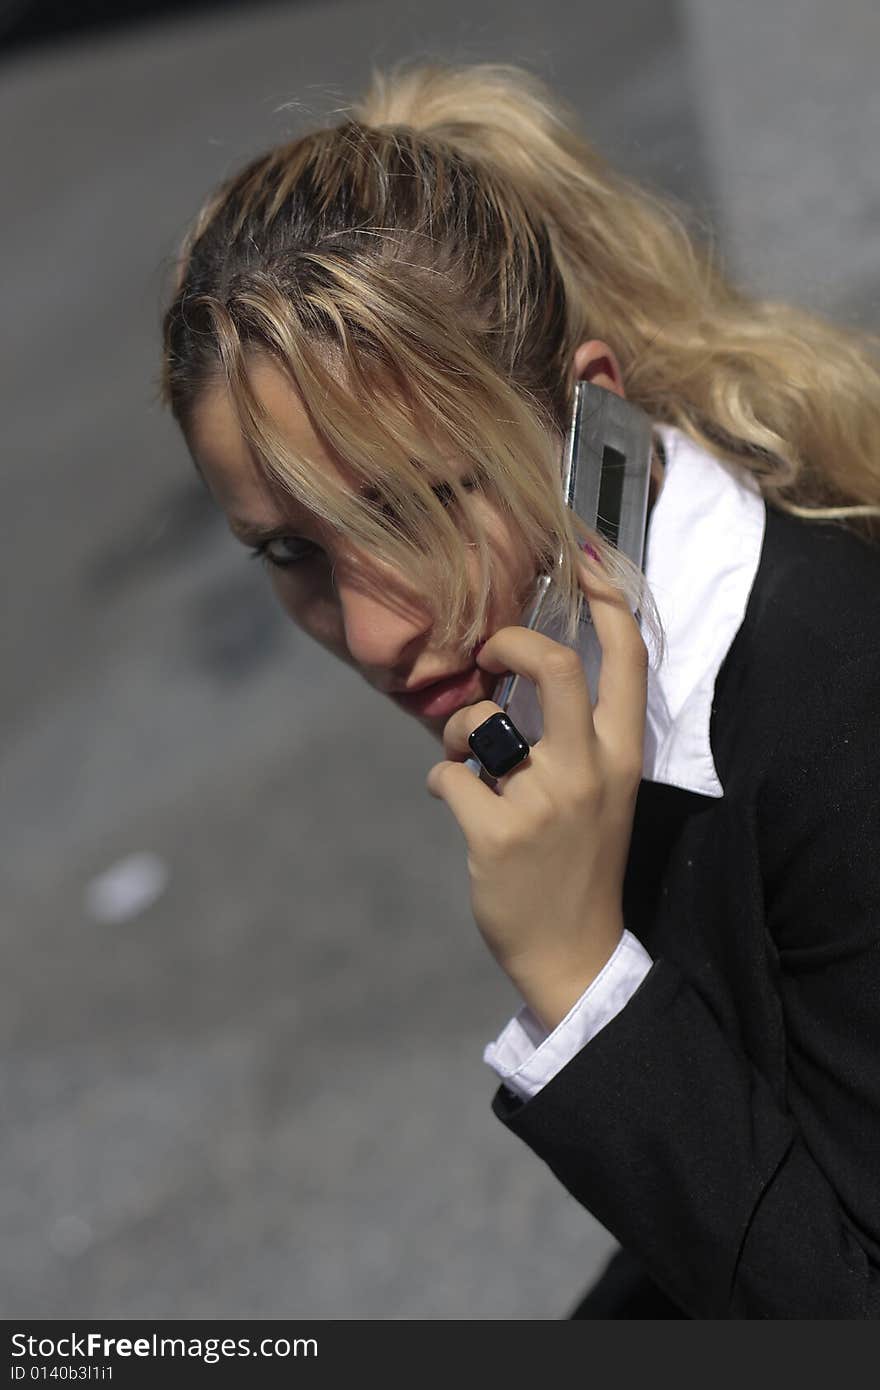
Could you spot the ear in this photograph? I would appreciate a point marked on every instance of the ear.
(595, 361)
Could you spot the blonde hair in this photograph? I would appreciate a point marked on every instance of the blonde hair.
(423, 272)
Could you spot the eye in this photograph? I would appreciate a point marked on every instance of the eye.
(445, 494)
(442, 491)
(304, 550)
(262, 552)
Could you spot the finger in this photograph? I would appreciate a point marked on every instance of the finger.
(460, 725)
(472, 803)
(619, 713)
(559, 677)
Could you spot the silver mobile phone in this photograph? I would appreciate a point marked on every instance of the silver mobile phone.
(606, 476)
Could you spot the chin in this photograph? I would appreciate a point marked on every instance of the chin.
(435, 724)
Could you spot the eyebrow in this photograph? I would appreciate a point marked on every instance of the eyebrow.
(252, 532)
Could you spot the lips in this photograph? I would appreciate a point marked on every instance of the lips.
(443, 697)
(429, 685)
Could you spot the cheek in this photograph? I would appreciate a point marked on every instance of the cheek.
(310, 600)
(513, 577)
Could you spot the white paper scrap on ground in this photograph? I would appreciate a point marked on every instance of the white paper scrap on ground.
(127, 888)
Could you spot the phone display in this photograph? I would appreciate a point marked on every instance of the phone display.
(606, 476)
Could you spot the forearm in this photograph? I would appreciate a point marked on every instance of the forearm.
(662, 1129)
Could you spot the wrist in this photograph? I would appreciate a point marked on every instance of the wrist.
(552, 988)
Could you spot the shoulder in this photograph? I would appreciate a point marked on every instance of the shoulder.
(816, 639)
(802, 677)
(816, 593)
(813, 697)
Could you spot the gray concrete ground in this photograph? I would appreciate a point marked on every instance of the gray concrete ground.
(263, 1094)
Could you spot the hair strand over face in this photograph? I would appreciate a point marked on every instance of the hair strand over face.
(422, 273)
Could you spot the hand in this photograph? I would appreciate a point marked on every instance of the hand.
(547, 855)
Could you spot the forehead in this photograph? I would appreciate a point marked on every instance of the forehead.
(226, 462)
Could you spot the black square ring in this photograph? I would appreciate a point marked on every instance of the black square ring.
(498, 745)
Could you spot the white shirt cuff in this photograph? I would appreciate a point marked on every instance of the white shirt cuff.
(526, 1056)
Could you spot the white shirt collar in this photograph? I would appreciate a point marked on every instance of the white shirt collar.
(702, 549)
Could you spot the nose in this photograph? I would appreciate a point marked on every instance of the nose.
(381, 617)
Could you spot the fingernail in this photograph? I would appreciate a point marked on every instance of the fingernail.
(593, 554)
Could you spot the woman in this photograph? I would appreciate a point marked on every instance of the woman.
(371, 352)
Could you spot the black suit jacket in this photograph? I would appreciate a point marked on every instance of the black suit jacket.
(725, 1126)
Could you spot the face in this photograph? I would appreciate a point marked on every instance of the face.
(361, 611)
